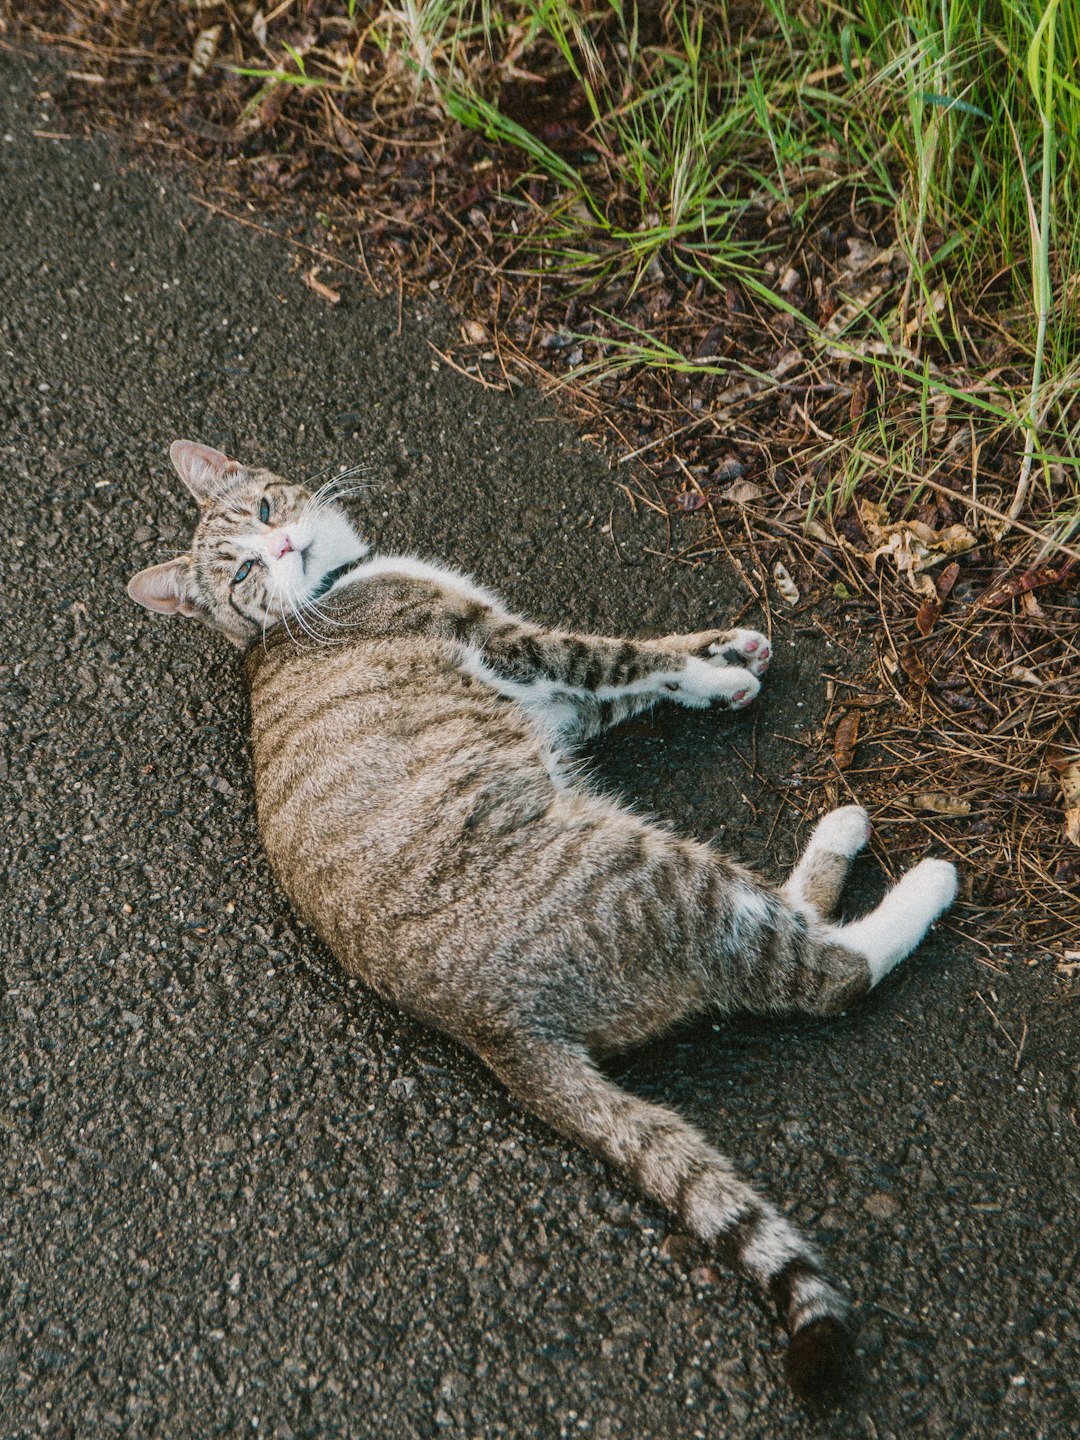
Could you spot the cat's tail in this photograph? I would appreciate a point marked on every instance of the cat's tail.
(675, 1165)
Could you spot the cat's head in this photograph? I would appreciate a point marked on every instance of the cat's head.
(262, 550)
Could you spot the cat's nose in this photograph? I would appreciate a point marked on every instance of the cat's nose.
(280, 544)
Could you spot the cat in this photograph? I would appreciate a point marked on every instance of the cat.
(413, 746)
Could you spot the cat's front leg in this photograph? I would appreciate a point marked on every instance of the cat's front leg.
(712, 666)
(715, 667)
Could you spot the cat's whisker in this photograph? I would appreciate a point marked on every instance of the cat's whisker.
(322, 616)
(222, 493)
(324, 499)
(355, 469)
(313, 607)
(298, 616)
(342, 477)
(285, 620)
(347, 488)
(310, 479)
(301, 607)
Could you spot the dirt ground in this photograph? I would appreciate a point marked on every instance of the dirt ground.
(243, 1197)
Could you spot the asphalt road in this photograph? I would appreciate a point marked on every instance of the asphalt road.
(240, 1196)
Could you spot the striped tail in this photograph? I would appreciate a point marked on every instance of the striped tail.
(673, 1163)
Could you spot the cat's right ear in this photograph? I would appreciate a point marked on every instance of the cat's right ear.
(164, 588)
(207, 473)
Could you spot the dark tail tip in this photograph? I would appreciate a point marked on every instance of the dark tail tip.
(820, 1363)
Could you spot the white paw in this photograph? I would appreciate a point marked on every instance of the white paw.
(748, 649)
(841, 832)
(936, 883)
(891, 932)
(701, 683)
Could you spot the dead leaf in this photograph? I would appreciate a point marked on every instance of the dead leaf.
(1025, 676)
(927, 617)
(730, 468)
(940, 423)
(1058, 759)
(845, 739)
(851, 310)
(912, 546)
(790, 280)
(863, 256)
(203, 51)
(690, 500)
(271, 108)
(711, 343)
(947, 579)
(938, 803)
(311, 280)
(479, 221)
(913, 666)
(787, 361)
(348, 141)
(743, 492)
(860, 393)
(789, 591)
(915, 324)
(1033, 579)
(1070, 794)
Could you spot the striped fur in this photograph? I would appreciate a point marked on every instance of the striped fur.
(418, 800)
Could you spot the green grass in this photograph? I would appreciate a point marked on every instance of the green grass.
(960, 116)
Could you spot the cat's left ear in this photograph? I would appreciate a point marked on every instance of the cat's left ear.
(164, 588)
(206, 472)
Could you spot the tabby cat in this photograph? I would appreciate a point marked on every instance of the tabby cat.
(413, 746)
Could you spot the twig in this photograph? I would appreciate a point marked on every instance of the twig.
(468, 374)
(990, 1009)
(276, 235)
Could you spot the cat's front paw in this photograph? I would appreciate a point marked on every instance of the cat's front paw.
(704, 682)
(741, 649)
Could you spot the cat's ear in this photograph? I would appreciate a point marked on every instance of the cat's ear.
(164, 588)
(206, 472)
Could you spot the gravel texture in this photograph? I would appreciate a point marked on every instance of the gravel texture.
(241, 1196)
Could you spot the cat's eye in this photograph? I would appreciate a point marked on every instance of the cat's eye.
(264, 511)
(244, 571)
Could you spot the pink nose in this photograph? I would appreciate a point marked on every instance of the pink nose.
(280, 545)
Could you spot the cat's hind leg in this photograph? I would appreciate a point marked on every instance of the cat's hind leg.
(817, 880)
(672, 1163)
(890, 932)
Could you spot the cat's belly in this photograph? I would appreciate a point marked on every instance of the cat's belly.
(374, 820)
